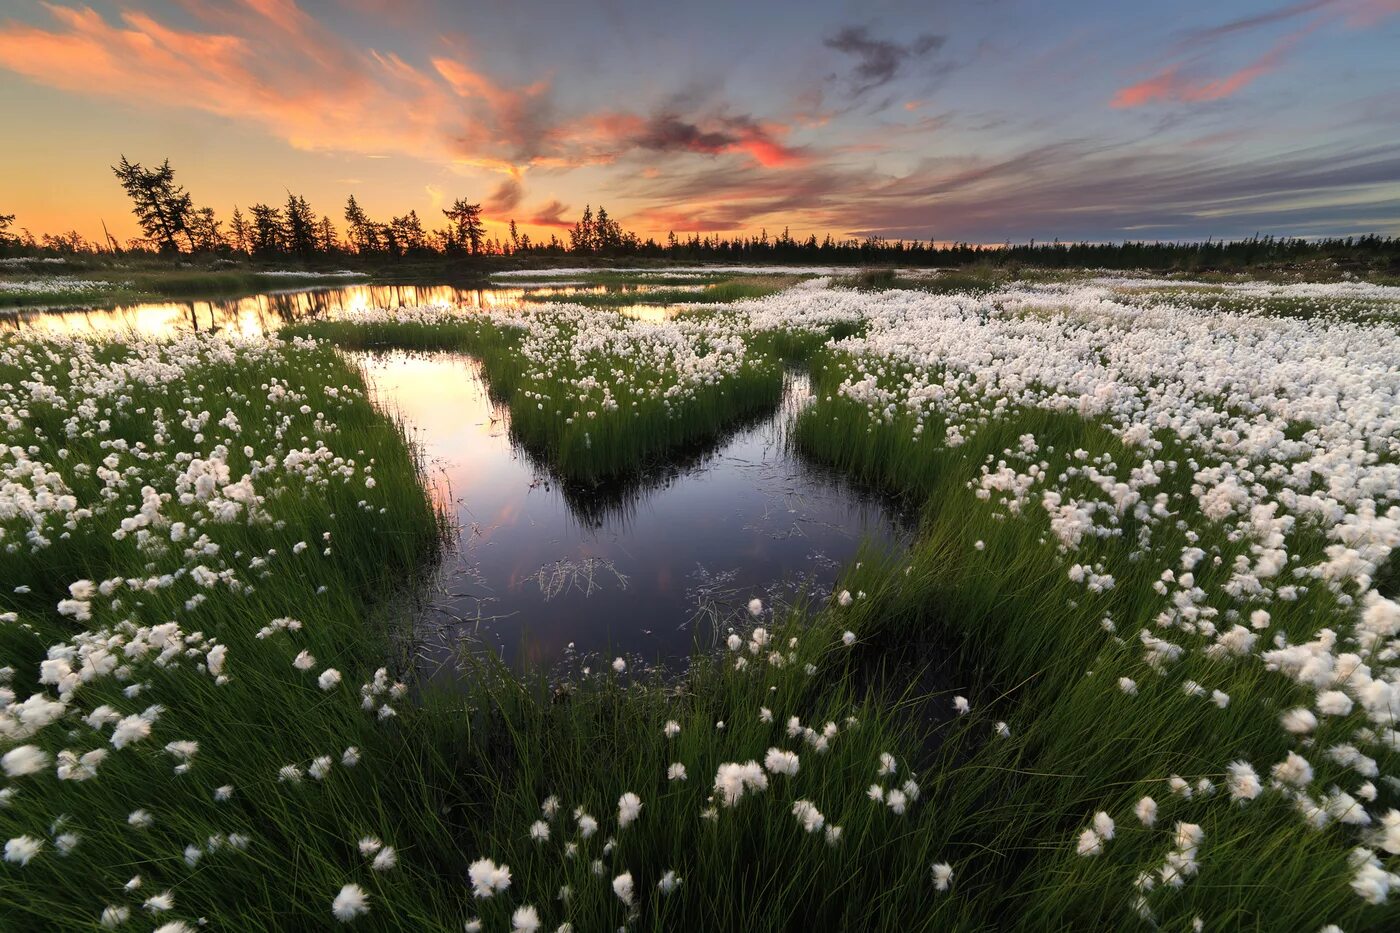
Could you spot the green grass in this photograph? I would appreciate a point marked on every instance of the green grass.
(137, 283)
(980, 606)
(716, 292)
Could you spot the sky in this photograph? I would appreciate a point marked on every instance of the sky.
(985, 122)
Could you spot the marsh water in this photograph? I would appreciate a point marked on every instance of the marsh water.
(542, 574)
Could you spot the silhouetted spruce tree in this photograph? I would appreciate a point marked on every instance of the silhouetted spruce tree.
(205, 235)
(389, 239)
(5, 238)
(409, 233)
(239, 233)
(327, 240)
(362, 232)
(162, 208)
(514, 237)
(581, 236)
(265, 238)
(298, 227)
(467, 229)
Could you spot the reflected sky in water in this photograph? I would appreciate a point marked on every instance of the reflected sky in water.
(643, 572)
(647, 569)
(264, 313)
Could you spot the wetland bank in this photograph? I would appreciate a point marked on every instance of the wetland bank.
(906, 602)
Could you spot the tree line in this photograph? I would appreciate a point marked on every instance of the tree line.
(172, 224)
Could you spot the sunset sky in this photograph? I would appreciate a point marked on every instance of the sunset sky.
(981, 121)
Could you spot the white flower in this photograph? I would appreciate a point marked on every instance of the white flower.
(808, 815)
(1090, 843)
(24, 759)
(669, 882)
(351, 902)
(676, 772)
(21, 849)
(887, 764)
(844, 598)
(385, 860)
(1103, 825)
(778, 761)
(487, 877)
(329, 679)
(961, 705)
(157, 903)
(672, 729)
(622, 887)
(539, 831)
(619, 665)
(1243, 781)
(848, 639)
(942, 876)
(629, 807)
(304, 661)
(732, 780)
(755, 607)
(1146, 811)
(114, 916)
(525, 919)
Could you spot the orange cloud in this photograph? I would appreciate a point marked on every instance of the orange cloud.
(267, 62)
(1171, 85)
(611, 134)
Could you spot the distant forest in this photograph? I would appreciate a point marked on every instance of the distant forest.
(293, 231)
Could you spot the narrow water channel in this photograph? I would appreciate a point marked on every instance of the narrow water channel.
(540, 575)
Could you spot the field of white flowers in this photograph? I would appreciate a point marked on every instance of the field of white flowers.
(1157, 559)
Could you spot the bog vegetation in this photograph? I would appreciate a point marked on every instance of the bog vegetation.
(1156, 560)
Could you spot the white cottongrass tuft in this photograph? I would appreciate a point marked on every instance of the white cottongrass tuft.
(25, 759)
(22, 849)
(733, 780)
(942, 876)
(525, 919)
(629, 807)
(778, 761)
(487, 877)
(351, 902)
(622, 887)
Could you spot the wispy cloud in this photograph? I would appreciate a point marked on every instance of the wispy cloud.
(1182, 81)
(1172, 84)
(268, 63)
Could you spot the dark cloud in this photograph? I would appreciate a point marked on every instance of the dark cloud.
(505, 198)
(668, 133)
(548, 215)
(879, 61)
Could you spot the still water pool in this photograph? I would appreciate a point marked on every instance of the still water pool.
(544, 574)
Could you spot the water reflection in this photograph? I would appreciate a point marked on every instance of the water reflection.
(264, 313)
(640, 570)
